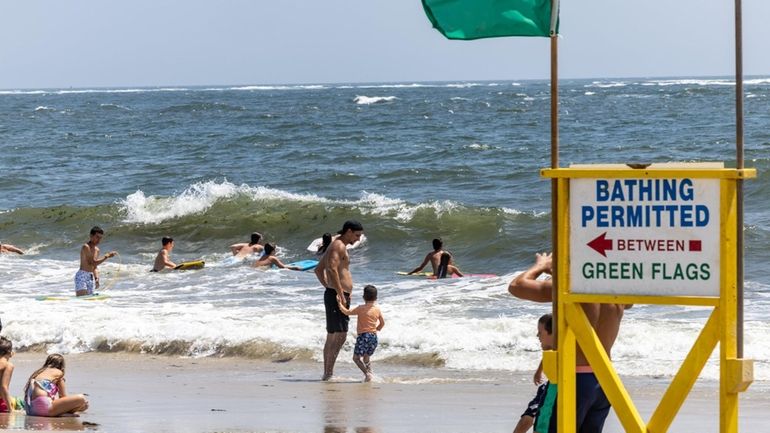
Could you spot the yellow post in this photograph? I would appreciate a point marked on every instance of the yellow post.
(728, 401)
(685, 379)
(566, 408)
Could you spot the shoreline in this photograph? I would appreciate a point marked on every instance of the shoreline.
(133, 392)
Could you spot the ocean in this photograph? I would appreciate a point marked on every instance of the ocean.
(411, 161)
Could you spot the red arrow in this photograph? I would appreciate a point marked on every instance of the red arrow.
(600, 244)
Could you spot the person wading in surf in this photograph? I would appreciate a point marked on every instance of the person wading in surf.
(87, 277)
(333, 272)
(162, 260)
(243, 250)
(440, 260)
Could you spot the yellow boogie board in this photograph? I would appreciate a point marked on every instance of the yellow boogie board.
(96, 297)
(194, 264)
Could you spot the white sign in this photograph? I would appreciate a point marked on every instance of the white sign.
(656, 237)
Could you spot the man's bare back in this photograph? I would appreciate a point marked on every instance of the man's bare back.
(244, 250)
(604, 318)
(433, 257)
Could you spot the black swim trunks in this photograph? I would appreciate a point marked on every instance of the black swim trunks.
(336, 321)
(591, 411)
(533, 408)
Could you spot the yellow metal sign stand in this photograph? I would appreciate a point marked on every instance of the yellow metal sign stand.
(735, 375)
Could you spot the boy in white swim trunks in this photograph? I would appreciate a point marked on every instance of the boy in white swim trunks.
(87, 277)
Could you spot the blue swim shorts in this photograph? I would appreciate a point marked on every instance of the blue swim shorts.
(365, 344)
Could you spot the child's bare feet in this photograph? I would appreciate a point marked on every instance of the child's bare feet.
(368, 377)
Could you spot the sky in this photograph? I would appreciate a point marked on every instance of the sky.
(97, 43)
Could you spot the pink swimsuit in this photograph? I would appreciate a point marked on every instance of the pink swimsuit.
(40, 406)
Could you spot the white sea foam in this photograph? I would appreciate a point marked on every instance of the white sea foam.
(463, 85)
(605, 84)
(368, 100)
(23, 92)
(388, 86)
(118, 106)
(691, 82)
(197, 198)
(756, 81)
(44, 108)
(280, 87)
(463, 324)
(479, 146)
(400, 210)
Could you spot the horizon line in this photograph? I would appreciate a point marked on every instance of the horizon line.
(363, 83)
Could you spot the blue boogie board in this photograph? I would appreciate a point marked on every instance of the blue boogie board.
(304, 265)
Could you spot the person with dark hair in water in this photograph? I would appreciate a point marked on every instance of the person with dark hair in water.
(326, 240)
(87, 277)
(333, 272)
(268, 260)
(446, 268)
(435, 258)
(243, 249)
(162, 260)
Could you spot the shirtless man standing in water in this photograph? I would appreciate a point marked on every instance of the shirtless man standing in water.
(87, 277)
(333, 271)
(592, 404)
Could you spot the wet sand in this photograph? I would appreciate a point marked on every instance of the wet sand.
(130, 393)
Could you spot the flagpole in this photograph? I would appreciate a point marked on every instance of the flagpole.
(554, 164)
(739, 163)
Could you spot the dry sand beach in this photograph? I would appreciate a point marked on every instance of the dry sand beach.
(130, 393)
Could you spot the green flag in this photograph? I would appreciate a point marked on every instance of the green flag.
(476, 19)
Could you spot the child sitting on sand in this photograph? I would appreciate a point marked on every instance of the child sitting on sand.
(369, 321)
(6, 371)
(46, 392)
